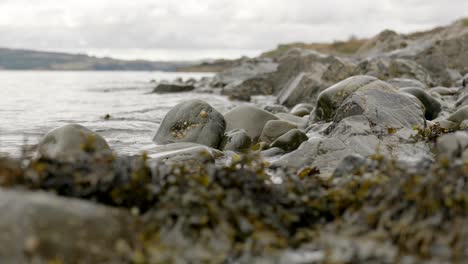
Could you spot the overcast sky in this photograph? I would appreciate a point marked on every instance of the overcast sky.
(194, 29)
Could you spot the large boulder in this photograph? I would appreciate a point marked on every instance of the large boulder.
(330, 99)
(385, 109)
(70, 142)
(192, 121)
(37, 227)
(249, 118)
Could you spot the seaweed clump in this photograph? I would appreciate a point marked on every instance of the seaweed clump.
(202, 212)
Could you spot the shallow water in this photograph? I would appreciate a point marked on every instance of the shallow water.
(32, 103)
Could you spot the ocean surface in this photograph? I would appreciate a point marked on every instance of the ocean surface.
(32, 103)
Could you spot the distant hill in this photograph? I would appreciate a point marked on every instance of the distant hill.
(16, 59)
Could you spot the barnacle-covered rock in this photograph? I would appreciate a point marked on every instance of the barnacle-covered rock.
(192, 121)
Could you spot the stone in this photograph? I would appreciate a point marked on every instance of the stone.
(453, 145)
(236, 140)
(298, 121)
(183, 152)
(302, 88)
(192, 121)
(465, 81)
(350, 165)
(290, 141)
(460, 115)
(431, 105)
(444, 91)
(273, 129)
(271, 152)
(302, 109)
(173, 88)
(249, 118)
(404, 83)
(386, 109)
(275, 108)
(70, 142)
(331, 98)
(386, 68)
(39, 227)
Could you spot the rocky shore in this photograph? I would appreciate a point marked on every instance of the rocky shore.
(363, 159)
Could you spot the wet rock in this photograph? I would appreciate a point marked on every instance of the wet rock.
(349, 165)
(460, 115)
(249, 118)
(37, 227)
(454, 145)
(274, 129)
(290, 141)
(298, 121)
(70, 142)
(403, 83)
(236, 140)
(431, 105)
(330, 99)
(274, 109)
(176, 87)
(302, 109)
(183, 152)
(192, 121)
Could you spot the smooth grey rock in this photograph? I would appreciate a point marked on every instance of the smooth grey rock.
(431, 105)
(173, 88)
(302, 109)
(349, 165)
(192, 121)
(404, 83)
(300, 122)
(465, 81)
(37, 227)
(330, 99)
(70, 142)
(387, 109)
(249, 118)
(236, 140)
(183, 152)
(460, 115)
(274, 109)
(464, 125)
(453, 145)
(290, 141)
(274, 129)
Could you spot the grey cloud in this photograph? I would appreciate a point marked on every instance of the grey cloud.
(210, 24)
